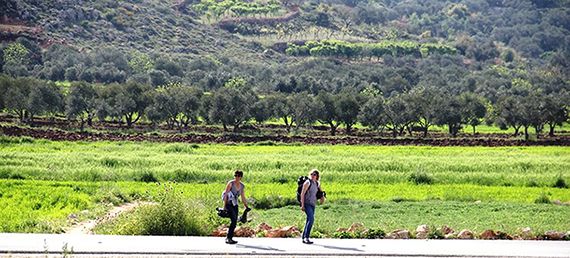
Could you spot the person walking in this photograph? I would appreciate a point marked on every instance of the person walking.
(309, 202)
(234, 189)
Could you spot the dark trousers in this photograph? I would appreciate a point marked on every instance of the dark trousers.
(233, 211)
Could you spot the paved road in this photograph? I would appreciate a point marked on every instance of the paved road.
(15, 245)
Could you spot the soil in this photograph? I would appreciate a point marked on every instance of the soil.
(62, 135)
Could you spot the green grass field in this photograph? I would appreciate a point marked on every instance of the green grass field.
(43, 182)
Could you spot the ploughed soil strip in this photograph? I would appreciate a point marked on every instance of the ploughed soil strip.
(59, 135)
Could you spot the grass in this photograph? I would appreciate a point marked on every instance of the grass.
(42, 182)
(131, 161)
(390, 216)
(57, 200)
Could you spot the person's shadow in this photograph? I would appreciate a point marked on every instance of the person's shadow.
(264, 248)
(340, 248)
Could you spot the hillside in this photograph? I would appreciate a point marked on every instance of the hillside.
(224, 39)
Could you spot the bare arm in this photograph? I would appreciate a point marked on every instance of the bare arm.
(243, 200)
(228, 189)
(303, 192)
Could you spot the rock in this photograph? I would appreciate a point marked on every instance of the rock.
(465, 234)
(450, 236)
(488, 235)
(477, 202)
(557, 202)
(422, 232)
(447, 230)
(399, 234)
(553, 235)
(221, 231)
(504, 235)
(356, 228)
(290, 231)
(262, 227)
(244, 232)
(527, 234)
(342, 230)
(72, 216)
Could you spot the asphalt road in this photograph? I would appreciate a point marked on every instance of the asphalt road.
(16, 245)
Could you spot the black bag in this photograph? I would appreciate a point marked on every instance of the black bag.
(243, 218)
(300, 182)
(222, 213)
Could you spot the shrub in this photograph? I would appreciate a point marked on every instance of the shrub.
(542, 198)
(420, 177)
(560, 183)
(344, 235)
(374, 234)
(147, 177)
(180, 148)
(172, 215)
(436, 234)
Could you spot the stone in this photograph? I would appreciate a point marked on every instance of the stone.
(450, 236)
(526, 233)
(465, 234)
(488, 235)
(244, 232)
(553, 235)
(342, 230)
(289, 231)
(446, 230)
(263, 227)
(422, 232)
(399, 234)
(221, 231)
(72, 216)
(557, 202)
(356, 228)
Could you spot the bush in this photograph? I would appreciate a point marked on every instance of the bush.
(542, 198)
(420, 177)
(560, 183)
(147, 177)
(344, 235)
(172, 215)
(180, 148)
(374, 234)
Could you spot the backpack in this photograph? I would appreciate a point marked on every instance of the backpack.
(300, 182)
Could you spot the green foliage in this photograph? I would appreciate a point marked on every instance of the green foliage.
(560, 183)
(420, 177)
(542, 199)
(352, 50)
(16, 54)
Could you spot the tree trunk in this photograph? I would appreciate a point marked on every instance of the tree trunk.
(517, 130)
(225, 127)
(89, 120)
(526, 133)
(551, 130)
(333, 128)
(287, 125)
(348, 129)
(474, 132)
(82, 126)
(425, 131)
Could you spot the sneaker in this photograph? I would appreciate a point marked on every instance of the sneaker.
(231, 242)
(307, 241)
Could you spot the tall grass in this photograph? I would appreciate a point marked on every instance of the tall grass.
(128, 161)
